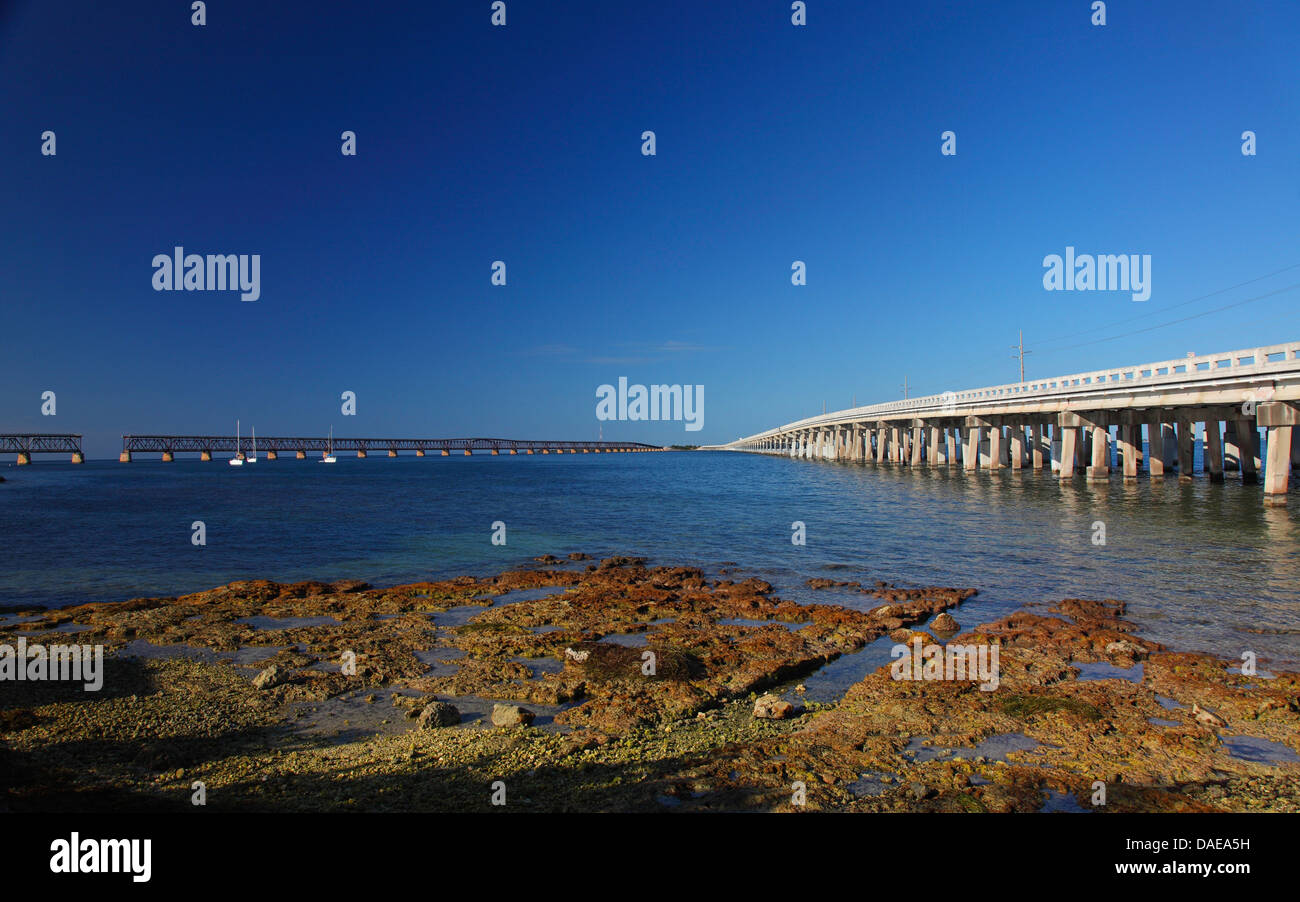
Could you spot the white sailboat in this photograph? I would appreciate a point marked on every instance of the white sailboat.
(329, 457)
(252, 458)
(236, 461)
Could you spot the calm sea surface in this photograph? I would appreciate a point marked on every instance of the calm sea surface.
(1203, 567)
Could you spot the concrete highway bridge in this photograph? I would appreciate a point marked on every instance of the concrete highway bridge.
(273, 446)
(1087, 422)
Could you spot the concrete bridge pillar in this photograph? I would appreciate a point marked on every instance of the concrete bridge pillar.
(300, 454)
(971, 453)
(1281, 420)
(1018, 446)
(78, 457)
(1128, 428)
(168, 457)
(949, 445)
(918, 430)
(124, 457)
(1156, 459)
(1249, 451)
(1037, 443)
(938, 454)
(272, 455)
(1069, 425)
(995, 447)
(205, 455)
(419, 452)
(392, 452)
(361, 452)
(882, 443)
(24, 458)
(1213, 449)
(1099, 466)
(1186, 441)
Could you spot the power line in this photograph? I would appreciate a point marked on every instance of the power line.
(1203, 297)
(1258, 297)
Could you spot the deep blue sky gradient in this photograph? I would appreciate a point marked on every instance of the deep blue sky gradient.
(522, 143)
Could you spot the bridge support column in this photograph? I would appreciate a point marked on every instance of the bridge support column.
(24, 458)
(938, 454)
(124, 457)
(168, 457)
(419, 452)
(1247, 442)
(1069, 424)
(1040, 448)
(1129, 427)
(971, 455)
(392, 452)
(1278, 465)
(995, 446)
(205, 455)
(918, 435)
(949, 445)
(1156, 460)
(272, 455)
(1281, 420)
(468, 453)
(1231, 450)
(528, 450)
(361, 453)
(1213, 449)
(882, 443)
(1099, 466)
(1186, 440)
(1018, 446)
(78, 457)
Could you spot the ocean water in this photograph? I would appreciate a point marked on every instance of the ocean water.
(1203, 567)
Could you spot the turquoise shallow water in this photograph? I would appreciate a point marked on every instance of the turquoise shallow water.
(1202, 566)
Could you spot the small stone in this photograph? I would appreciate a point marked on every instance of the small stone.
(1209, 718)
(773, 707)
(919, 791)
(511, 716)
(438, 714)
(945, 623)
(272, 676)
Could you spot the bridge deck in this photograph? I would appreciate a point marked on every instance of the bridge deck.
(169, 445)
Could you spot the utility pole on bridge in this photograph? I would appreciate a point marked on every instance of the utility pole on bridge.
(1022, 352)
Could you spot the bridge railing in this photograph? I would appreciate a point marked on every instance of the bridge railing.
(1249, 361)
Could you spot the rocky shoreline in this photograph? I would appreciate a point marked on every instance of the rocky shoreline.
(615, 686)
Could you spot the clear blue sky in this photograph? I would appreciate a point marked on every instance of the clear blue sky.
(522, 144)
